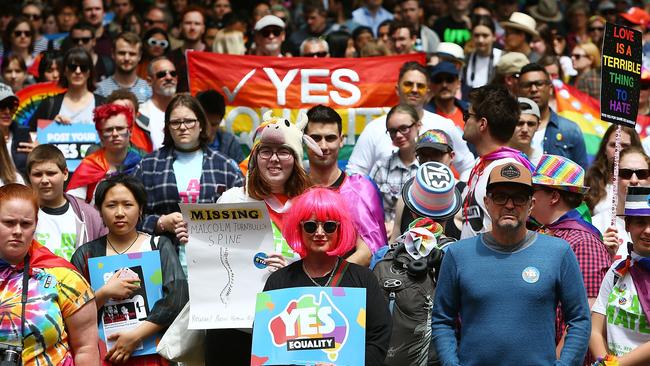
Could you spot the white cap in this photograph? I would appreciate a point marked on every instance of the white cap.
(269, 20)
(452, 50)
(6, 92)
(528, 106)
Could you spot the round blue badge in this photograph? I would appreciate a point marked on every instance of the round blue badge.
(259, 260)
(530, 274)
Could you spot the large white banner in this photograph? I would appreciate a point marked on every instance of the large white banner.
(225, 258)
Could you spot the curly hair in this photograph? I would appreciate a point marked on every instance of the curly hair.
(326, 205)
(106, 111)
(599, 173)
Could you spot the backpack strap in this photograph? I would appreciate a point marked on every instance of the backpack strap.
(338, 275)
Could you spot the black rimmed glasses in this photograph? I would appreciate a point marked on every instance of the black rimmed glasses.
(404, 129)
(282, 153)
(189, 123)
(501, 198)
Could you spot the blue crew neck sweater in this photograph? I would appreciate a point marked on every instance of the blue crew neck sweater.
(507, 304)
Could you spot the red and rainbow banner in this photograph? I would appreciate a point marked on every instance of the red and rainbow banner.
(359, 89)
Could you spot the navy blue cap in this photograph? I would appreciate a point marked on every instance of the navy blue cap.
(443, 68)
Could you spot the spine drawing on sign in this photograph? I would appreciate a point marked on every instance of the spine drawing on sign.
(227, 289)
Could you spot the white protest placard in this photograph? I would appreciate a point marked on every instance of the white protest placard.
(225, 258)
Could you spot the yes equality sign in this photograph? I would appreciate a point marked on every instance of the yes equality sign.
(621, 75)
(307, 325)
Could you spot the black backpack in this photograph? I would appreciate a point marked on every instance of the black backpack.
(409, 287)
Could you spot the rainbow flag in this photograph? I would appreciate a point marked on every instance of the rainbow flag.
(584, 110)
(29, 98)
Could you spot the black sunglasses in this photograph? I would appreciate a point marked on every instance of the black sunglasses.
(162, 74)
(311, 226)
(32, 16)
(18, 33)
(447, 78)
(271, 30)
(81, 40)
(640, 173)
(8, 104)
(73, 67)
(316, 54)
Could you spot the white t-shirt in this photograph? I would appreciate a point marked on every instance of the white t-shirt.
(375, 145)
(627, 324)
(538, 140)
(479, 67)
(188, 169)
(478, 220)
(57, 230)
(156, 122)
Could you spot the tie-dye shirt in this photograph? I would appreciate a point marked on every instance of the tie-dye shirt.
(54, 294)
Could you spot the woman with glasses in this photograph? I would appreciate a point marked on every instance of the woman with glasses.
(113, 124)
(390, 175)
(18, 39)
(184, 170)
(77, 103)
(586, 60)
(156, 44)
(319, 228)
(633, 171)
(276, 177)
(121, 200)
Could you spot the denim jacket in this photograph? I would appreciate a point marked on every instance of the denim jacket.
(564, 137)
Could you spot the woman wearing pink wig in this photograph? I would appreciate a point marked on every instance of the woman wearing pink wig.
(319, 228)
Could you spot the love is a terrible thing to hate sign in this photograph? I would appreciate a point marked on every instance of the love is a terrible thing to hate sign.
(621, 75)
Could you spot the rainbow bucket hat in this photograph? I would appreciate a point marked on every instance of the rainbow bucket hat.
(558, 172)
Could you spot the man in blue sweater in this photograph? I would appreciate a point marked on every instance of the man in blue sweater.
(505, 286)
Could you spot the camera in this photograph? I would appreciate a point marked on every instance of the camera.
(10, 355)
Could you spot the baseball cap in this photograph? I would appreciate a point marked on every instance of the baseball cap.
(6, 92)
(435, 139)
(511, 63)
(510, 173)
(528, 106)
(269, 20)
(443, 68)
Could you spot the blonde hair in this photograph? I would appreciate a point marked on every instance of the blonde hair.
(230, 42)
(593, 52)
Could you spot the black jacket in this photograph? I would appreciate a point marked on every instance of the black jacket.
(50, 107)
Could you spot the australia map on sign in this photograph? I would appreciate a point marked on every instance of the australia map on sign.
(316, 325)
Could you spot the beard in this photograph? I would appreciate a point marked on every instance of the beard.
(509, 228)
(167, 91)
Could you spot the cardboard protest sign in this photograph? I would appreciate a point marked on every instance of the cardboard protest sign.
(73, 140)
(621, 75)
(307, 325)
(359, 89)
(127, 314)
(225, 257)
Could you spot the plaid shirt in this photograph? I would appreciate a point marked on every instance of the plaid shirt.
(589, 83)
(390, 175)
(156, 172)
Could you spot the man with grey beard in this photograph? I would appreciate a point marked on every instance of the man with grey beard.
(163, 79)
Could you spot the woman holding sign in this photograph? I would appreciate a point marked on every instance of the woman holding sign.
(318, 227)
(55, 323)
(276, 176)
(121, 200)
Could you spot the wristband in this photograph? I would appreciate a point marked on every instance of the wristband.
(608, 360)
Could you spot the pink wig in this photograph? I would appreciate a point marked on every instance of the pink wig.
(325, 204)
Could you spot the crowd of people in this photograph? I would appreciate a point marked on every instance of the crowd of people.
(474, 161)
